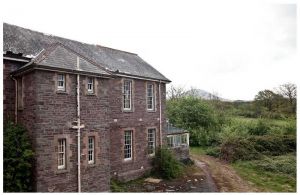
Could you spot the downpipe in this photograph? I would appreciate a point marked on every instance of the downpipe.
(78, 128)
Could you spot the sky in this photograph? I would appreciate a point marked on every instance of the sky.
(234, 48)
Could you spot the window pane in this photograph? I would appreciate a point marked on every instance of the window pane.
(170, 141)
(151, 141)
(61, 153)
(61, 82)
(150, 96)
(127, 144)
(90, 84)
(91, 150)
(127, 95)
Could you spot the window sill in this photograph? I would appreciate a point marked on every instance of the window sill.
(91, 94)
(61, 171)
(151, 155)
(151, 110)
(128, 111)
(127, 160)
(61, 92)
(91, 165)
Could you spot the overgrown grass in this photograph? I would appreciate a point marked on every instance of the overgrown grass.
(271, 174)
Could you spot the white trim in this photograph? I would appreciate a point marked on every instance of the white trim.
(61, 88)
(140, 78)
(90, 91)
(153, 141)
(91, 149)
(153, 97)
(15, 59)
(131, 147)
(130, 94)
(62, 141)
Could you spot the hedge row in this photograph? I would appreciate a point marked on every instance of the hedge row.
(254, 147)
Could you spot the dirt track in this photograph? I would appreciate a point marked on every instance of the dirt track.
(223, 176)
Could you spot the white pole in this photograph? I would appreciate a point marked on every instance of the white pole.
(160, 122)
(78, 126)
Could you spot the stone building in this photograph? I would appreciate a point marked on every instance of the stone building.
(92, 112)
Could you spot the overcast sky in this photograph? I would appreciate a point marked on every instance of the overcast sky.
(234, 48)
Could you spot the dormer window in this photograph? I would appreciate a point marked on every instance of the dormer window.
(61, 82)
(90, 85)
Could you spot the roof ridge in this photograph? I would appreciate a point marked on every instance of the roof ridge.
(52, 35)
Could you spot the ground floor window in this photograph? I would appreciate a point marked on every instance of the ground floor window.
(61, 153)
(91, 150)
(151, 141)
(128, 145)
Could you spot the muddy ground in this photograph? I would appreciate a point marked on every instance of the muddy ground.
(208, 174)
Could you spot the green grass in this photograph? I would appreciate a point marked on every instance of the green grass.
(198, 150)
(271, 174)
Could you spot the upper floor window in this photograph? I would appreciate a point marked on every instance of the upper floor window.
(127, 95)
(61, 82)
(91, 150)
(150, 97)
(61, 153)
(128, 145)
(90, 85)
(151, 141)
(20, 92)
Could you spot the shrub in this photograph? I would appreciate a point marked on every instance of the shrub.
(17, 159)
(197, 116)
(166, 165)
(260, 128)
(251, 148)
(213, 151)
(274, 145)
(282, 164)
(238, 148)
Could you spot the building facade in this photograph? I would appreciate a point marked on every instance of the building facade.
(93, 113)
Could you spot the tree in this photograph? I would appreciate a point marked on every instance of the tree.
(289, 91)
(175, 92)
(195, 115)
(17, 159)
(268, 99)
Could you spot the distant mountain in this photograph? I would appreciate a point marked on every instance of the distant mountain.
(204, 95)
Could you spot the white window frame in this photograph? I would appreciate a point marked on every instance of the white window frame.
(63, 80)
(177, 140)
(150, 96)
(90, 85)
(127, 94)
(151, 141)
(61, 151)
(128, 146)
(91, 150)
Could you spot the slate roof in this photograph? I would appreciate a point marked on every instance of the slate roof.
(96, 58)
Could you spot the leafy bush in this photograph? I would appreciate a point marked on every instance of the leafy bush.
(252, 147)
(17, 159)
(197, 116)
(166, 165)
(280, 164)
(273, 145)
(238, 148)
(260, 128)
(213, 151)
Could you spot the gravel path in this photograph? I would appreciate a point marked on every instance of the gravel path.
(209, 184)
(222, 176)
